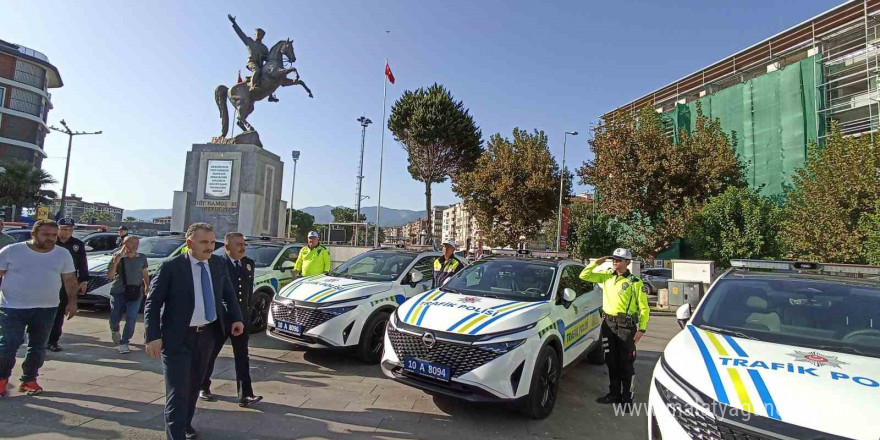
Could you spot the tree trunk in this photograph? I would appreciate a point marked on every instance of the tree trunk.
(430, 230)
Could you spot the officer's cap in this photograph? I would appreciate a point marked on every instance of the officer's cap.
(66, 222)
(622, 254)
(123, 228)
(450, 243)
(313, 234)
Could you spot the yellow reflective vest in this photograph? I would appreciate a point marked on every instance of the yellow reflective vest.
(312, 261)
(443, 271)
(620, 294)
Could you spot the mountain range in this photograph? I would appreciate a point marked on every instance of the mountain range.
(389, 216)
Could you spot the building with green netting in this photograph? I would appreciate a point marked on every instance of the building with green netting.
(783, 93)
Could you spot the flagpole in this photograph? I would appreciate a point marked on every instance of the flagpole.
(381, 152)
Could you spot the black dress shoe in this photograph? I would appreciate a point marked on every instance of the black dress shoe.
(207, 396)
(54, 348)
(608, 399)
(191, 433)
(249, 400)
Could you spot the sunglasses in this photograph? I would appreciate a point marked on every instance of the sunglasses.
(617, 260)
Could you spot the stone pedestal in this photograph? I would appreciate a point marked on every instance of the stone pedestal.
(234, 187)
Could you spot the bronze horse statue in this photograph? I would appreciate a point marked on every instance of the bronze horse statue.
(274, 74)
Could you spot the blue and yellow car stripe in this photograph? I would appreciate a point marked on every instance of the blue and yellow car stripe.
(416, 304)
(739, 385)
(418, 310)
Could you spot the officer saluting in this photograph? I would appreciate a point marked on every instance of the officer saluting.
(446, 266)
(625, 306)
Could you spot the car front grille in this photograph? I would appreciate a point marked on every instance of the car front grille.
(308, 318)
(460, 358)
(702, 426)
(96, 281)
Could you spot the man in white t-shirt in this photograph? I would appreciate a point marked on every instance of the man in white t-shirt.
(32, 274)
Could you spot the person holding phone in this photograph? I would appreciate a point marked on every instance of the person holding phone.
(128, 270)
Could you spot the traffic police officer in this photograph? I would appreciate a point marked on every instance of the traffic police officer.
(446, 266)
(80, 261)
(313, 259)
(241, 273)
(626, 313)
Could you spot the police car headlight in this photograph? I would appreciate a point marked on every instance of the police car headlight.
(502, 347)
(336, 311)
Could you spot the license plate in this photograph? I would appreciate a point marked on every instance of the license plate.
(428, 369)
(286, 327)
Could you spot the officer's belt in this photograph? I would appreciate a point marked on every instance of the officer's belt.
(623, 319)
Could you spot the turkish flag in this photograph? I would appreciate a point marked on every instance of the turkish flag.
(239, 77)
(388, 73)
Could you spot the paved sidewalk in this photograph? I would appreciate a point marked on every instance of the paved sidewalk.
(92, 392)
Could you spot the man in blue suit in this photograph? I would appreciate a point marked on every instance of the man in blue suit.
(191, 305)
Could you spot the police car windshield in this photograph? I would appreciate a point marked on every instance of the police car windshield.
(814, 313)
(263, 256)
(154, 247)
(375, 266)
(520, 280)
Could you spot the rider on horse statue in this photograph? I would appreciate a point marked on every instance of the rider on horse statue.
(257, 52)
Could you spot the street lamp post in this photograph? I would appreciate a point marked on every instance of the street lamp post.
(561, 182)
(70, 134)
(364, 123)
(295, 156)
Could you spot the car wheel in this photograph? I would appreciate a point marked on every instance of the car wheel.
(545, 385)
(373, 338)
(259, 311)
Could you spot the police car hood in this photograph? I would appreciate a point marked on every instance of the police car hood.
(100, 263)
(471, 315)
(326, 289)
(831, 392)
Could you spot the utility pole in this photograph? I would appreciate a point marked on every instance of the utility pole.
(360, 177)
(70, 134)
(295, 156)
(561, 181)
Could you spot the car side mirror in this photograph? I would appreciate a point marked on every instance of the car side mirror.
(415, 277)
(287, 265)
(683, 314)
(89, 248)
(568, 296)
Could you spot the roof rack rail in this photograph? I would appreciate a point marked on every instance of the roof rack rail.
(525, 253)
(834, 269)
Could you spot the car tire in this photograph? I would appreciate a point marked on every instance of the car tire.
(544, 386)
(260, 302)
(373, 338)
(597, 356)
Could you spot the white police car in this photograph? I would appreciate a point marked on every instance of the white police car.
(349, 307)
(775, 350)
(273, 269)
(502, 329)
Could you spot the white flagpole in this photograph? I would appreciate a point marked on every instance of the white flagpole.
(381, 152)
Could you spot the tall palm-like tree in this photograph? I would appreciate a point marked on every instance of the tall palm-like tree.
(21, 185)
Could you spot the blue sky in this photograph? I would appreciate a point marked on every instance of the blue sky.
(145, 72)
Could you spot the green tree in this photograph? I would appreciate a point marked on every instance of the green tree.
(22, 185)
(513, 189)
(341, 214)
(130, 219)
(438, 134)
(838, 185)
(301, 224)
(869, 226)
(656, 186)
(596, 235)
(92, 216)
(739, 223)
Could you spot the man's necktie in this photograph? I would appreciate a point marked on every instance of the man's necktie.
(208, 294)
(237, 267)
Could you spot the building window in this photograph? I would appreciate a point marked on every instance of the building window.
(21, 129)
(30, 74)
(2, 96)
(26, 101)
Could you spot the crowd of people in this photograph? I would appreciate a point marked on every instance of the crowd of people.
(192, 306)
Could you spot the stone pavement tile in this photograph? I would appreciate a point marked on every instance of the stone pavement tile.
(228, 417)
(149, 376)
(329, 394)
(131, 383)
(325, 404)
(425, 405)
(298, 427)
(152, 429)
(38, 432)
(135, 413)
(397, 401)
(50, 415)
(127, 395)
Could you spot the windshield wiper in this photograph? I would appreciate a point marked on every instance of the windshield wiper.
(841, 348)
(725, 331)
(448, 290)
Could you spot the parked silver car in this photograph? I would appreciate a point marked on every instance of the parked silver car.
(656, 279)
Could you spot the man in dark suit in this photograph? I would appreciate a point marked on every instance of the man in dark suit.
(191, 305)
(241, 273)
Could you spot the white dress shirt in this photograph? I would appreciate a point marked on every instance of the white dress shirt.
(198, 317)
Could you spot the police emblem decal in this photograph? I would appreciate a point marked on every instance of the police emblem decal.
(817, 359)
(469, 300)
(76, 248)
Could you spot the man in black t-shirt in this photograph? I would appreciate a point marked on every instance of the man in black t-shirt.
(78, 251)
